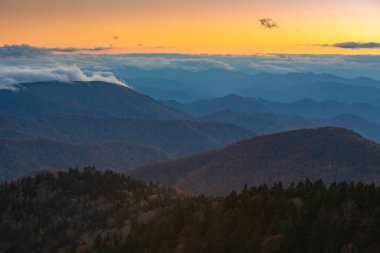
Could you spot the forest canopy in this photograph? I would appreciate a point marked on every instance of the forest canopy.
(92, 211)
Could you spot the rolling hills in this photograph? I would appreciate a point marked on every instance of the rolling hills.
(287, 88)
(266, 123)
(56, 125)
(331, 154)
(260, 123)
(306, 108)
(262, 116)
(176, 137)
(28, 144)
(23, 157)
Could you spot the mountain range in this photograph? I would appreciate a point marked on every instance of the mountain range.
(62, 141)
(191, 85)
(263, 117)
(265, 123)
(305, 108)
(56, 125)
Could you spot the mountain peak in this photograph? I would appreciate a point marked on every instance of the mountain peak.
(233, 95)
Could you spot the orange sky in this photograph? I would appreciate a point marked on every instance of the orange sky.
(196, 26)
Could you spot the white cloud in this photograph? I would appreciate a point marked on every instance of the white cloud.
(10, 76)
(341, 65)
(271, 68)
(187, 62)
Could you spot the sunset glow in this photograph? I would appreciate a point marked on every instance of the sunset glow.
(207, 26)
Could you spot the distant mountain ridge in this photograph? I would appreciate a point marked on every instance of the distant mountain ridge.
(266, 123)
(330, 154)
(195, 85)
(263, 117)
(306, 108)
(83, 98)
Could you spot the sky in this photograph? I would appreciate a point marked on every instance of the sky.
(243, 27)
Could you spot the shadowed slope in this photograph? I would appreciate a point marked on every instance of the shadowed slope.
(325, 153)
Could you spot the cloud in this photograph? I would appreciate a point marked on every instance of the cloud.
(187, 62)
(357, 45)
(349, 66)
(352, 45)
(268, 23)
(142, 46)
(11, 76)
(24, 50)
(78, 50)
(271, 68)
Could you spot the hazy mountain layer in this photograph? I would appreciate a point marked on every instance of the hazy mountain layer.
(176, 137)
(266, 123)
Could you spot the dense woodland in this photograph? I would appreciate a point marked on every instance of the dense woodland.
(307, 217)
(91, 211)
(75, 211)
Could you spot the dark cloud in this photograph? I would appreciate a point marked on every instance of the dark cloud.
(357, 45)
(352, 45)
(78, 50)
(31, 51)
(268, 23)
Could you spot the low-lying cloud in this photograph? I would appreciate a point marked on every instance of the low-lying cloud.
(11, 76)
(103, 65)
(31, 51)
(22, 51)
(186, 62)
(78, 50)
(268, 23)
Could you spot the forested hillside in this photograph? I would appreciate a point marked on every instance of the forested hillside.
(91, 211)
(75, 211)
(331, 154)
(25, 157)
(306, 217)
